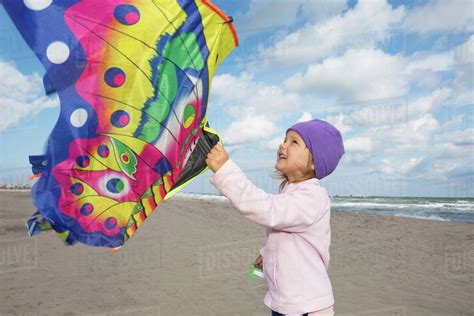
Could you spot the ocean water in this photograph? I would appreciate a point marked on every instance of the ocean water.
(442, 209)
(459, 210)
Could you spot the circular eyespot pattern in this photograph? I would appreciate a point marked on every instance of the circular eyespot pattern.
(115, 185)
(189, 115)
(37, 5)
(110, 223)
(57, 52)
(87, 209)
(78, 118)
(83, 161)
(77, 188)
(114, 77)
(127, 14)
(125, 158)
(120, 118)
(103, 151)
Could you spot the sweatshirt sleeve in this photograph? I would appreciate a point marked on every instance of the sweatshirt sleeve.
(292, 212)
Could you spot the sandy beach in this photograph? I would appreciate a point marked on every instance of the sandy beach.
(191, 257)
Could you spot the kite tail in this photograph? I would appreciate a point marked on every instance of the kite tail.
(38, 164)
(36, 224)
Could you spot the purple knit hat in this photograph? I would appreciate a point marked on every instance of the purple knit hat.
(324, 142)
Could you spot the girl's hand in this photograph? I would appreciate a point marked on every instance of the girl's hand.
(259, 262)
(216, 157)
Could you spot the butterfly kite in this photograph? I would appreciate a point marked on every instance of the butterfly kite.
(133, 79)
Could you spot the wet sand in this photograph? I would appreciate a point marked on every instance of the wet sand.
(191, 257)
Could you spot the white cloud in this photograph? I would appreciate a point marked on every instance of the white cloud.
(358, 144)
(389, 167)
(274, 143)
(243, 94)
(458, 137)
(464, 63)
(454, 123)
(228, 87)
(339, 121)
(408, 165)
(306, 116)
(378, 114)
(409, 135)
(425, 69)
(366, 74)
(394, 140)
(369, 74)
(441, 15)
(410, 140)
(451, 151)
(321, 10)
(252, 103)
(396, 113)
(430, 103)
(432, 61)
(463, 93)
(418, 148)
(21, 96)
(445, 161)
(367, 24)
(358, 149)
(356, 159)
(239, 133)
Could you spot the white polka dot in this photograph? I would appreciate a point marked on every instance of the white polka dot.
(37, 4)
(57, 52)
(78, 118)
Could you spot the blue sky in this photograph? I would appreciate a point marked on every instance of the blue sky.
(396, 77)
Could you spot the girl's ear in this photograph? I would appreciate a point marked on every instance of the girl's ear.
(313, 171)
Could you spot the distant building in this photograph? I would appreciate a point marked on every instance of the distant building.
(15, 186)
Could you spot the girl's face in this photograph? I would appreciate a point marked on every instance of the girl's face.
(294, 158)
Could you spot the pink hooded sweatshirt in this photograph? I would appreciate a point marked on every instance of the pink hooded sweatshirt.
(296, 254)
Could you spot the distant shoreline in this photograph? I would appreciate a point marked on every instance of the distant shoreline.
(460, 210)
(26, 188)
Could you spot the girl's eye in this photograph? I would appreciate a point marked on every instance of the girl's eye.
(295, 142)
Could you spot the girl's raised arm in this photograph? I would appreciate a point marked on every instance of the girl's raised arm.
(294, 211)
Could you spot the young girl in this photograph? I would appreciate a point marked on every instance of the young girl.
(296, 254)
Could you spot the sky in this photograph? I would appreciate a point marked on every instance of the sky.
(395, 77)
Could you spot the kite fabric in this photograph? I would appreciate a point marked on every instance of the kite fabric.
(133, 79)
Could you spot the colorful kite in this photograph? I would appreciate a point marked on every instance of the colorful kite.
(133, 78)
